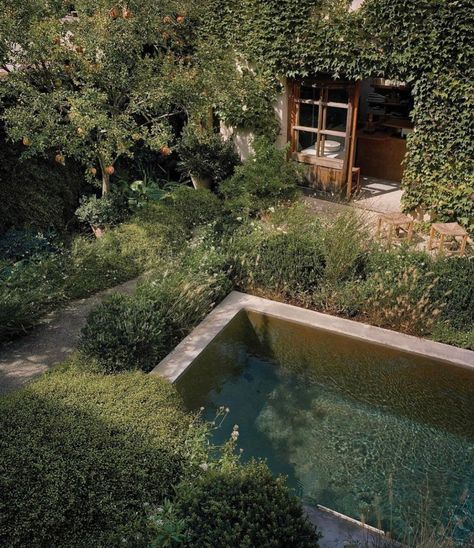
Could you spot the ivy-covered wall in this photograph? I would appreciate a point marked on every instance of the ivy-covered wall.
(428, 43)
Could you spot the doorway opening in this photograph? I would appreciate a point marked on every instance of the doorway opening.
(352, 135)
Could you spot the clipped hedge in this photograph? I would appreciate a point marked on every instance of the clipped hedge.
(83, 457)
(245, 506)
(136, 332)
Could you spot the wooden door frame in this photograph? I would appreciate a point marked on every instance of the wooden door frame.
(345, 164)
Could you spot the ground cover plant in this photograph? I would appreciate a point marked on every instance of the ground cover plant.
(83, 455)
(88, 459)
(38, 276)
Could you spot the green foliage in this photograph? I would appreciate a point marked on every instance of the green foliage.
(125, 333)
(108, 210)
(36, 193)
(456, 290)
(28, 290)
(194, 207)
(206, 155)
(428, 44)
(16, 245)
(263, 181)
(83, 457)
(115, 77)
(289, 263)
(136, 332)
(242, 505)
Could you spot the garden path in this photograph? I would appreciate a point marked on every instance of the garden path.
(50, 343)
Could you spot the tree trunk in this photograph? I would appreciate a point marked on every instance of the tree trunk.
(105, 182)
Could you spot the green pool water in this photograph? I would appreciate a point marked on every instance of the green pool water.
(376, 434)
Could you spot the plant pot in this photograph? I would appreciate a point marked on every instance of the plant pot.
(201, 182)
(98, 231)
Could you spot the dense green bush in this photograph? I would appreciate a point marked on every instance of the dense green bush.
(194, 207)
(109, 210)
(28, 290)
(136, 332)
(242, 505)
(36, 192)
(19, 244)
(290, 263)
(262, 181)
(455, 289)
(125, 333)
(206, 155)
(83, 457)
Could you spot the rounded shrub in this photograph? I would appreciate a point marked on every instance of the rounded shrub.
(245, 506)
(262, 181)
(125, 333)
(194, 207)
(136, 332)
(83, 457)
(291, 263)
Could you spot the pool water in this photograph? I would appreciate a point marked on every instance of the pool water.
(379, 435)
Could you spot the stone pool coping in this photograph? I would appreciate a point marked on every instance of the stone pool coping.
(176, 363)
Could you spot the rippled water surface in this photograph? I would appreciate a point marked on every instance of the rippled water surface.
(370, 432)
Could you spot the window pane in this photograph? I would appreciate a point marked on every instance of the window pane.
(306, 142)
(338, 95)
(336, 118)
(309, 115)
(333, 147)
(310, 92)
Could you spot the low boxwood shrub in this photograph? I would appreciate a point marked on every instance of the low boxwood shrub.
(240, 505)
(262, 181)
(84, 457)
(193, 207)
(125, 333)
(277, 262)
(136, 332)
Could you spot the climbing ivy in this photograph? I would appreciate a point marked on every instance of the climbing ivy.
(428, 43)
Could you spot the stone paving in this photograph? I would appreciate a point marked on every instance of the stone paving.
(24, 359)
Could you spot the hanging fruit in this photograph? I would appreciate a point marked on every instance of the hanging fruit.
(167, 20)
(126, 13)
(109, 170)
(166, 151)
(136, 136)
(180, 19)
(114, 13)
(26, 141)
(59, 159)
(80, 131)
(93, 171)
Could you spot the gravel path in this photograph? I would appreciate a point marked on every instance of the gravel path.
(50, 342)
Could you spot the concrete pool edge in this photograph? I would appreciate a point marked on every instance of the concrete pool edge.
(176, 363)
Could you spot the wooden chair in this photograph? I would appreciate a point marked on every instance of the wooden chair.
(441, 231)
(395, 224)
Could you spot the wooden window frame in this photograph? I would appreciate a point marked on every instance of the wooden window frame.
(294, 127)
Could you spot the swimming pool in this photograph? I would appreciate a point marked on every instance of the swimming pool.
(381, 435)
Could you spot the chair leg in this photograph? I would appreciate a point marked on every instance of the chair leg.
(462, 250)
(430, 242)
(441, 244)
(379, 228)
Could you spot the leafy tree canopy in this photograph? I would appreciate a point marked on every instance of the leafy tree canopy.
(90, 80)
